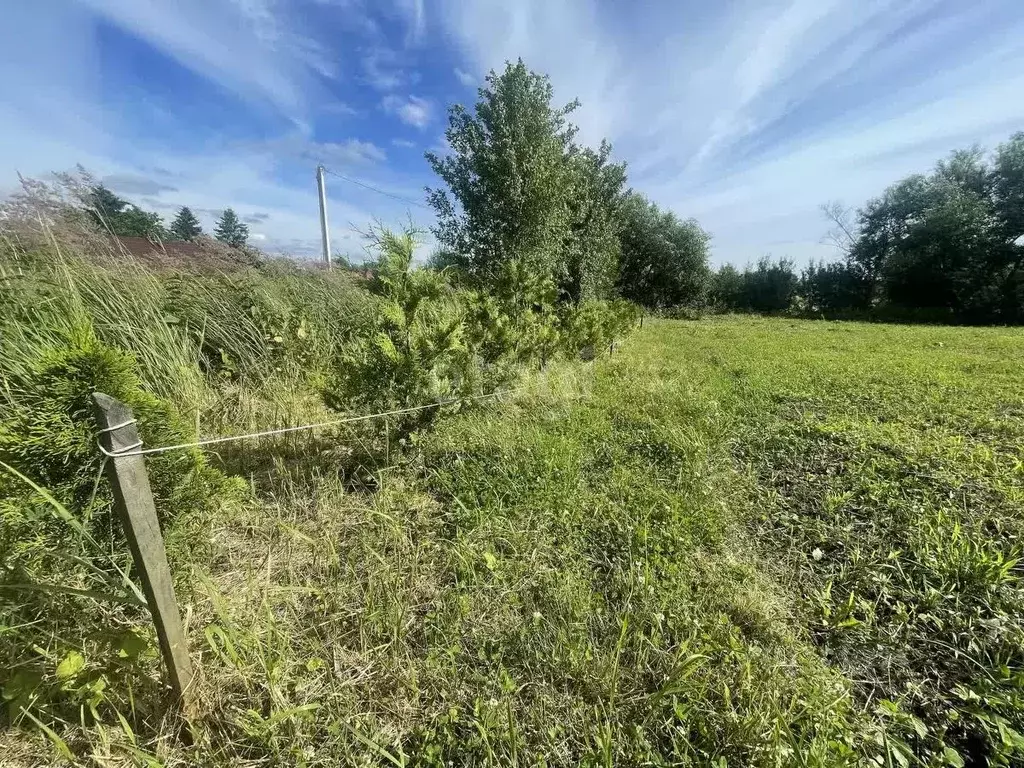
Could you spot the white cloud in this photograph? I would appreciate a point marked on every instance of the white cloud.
(404, 143)
(339, 108)
(465, 78)
(384, 68)
(413, 110)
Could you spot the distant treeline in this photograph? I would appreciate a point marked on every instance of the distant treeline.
(946, 246)
(125, 219)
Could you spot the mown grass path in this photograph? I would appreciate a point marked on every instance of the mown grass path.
(761, 539)
(885, 470)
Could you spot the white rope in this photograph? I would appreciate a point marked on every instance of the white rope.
(127, 423)
(127, 451)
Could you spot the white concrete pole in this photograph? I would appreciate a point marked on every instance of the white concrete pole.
(324, 234)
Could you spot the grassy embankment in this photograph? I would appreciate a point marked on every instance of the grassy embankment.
(735, 542)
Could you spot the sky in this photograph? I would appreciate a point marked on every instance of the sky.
(744, 114)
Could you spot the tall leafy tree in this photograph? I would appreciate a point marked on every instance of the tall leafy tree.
(885, 224)
(950, 258)
(1008, 205)
(950, 240)
(231, 230)
(1008, 187)
(185, 225)
(508, 177)
(592, 248)
(664, 260)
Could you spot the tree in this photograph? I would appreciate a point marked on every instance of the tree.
(843, 234)
(726, 290)
(104, 206)
(1008, 204)
(592, 248)
(508, 177)
(119, 217)
(884, 225)
(770, 286)
(664, 261)
(949, 241)
(834, 287)
(231, 230)
(185, 225)
(1008, 187)
(951, 257)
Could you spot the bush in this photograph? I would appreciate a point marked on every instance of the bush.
(771, 286)
(432, 342)
(664, 260)
(50, 539)
(414, 352)
(727, 288)
(514, 322)
(834, 287)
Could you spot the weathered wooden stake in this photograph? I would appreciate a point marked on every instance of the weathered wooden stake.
(133, 500)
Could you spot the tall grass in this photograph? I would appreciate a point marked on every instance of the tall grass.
(192, 354)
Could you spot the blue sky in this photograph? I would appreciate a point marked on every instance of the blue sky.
(746, 114)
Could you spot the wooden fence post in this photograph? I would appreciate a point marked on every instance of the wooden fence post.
(133, 501)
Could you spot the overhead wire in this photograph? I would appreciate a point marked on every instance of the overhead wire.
(372, 188)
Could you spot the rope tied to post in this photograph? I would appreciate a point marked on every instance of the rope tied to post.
(135, 449)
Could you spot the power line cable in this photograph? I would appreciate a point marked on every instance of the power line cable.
(375, 189)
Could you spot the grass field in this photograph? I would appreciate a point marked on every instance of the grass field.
(734, 542)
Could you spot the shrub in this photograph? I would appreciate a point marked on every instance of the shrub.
(515, 321)
(770, 286)
(834, 287)
(727, 288)
(431, 342)
(49, 539)
(414, 352)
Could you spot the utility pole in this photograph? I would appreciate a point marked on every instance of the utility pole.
(325, 236)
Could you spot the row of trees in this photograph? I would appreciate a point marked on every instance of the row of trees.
(950, 242)
(120, 217)
(523, 196)
(944, 246)
(521, 190)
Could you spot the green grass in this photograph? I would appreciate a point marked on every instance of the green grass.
(736, 542)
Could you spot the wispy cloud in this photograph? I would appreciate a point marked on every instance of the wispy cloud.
(244, 46)
(413, 110)
(136, 184)
(746, 114)
(384, 69)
